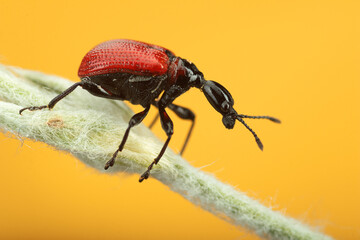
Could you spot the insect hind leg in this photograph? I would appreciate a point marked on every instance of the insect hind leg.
(54, 100)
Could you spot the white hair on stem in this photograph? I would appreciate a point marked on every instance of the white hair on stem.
(90, 128)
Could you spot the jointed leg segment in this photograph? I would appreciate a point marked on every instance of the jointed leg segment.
(183, 113)
(186, 114)
(135, 120)
(54, 100)
(168, 127)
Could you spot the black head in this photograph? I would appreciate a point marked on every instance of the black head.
(222, 101)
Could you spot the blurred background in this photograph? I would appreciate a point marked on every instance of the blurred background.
(295, 60)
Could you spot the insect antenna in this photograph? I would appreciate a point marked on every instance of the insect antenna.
(257, 139)
(260, 117)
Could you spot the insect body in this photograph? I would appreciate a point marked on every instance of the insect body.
(139, 72)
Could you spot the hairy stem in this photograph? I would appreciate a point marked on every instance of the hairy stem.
(90, 128)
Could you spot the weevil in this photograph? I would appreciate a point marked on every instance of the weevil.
(139, 72)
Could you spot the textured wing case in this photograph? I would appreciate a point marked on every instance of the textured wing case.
(125, 56)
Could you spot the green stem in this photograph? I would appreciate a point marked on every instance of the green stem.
(89, 128)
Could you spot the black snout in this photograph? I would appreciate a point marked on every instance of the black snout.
(228, 121)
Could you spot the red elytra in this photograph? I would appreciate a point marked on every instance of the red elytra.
(128, 56)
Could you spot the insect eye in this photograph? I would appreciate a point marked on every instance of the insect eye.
(225, 106)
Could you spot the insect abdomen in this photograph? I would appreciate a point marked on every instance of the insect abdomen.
(125, 86)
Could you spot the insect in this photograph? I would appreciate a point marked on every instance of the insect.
(139, 72)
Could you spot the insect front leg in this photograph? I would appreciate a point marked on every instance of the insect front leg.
(183, 113)
(135, 120)
(186, 114)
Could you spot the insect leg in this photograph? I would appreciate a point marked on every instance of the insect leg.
(168, 127)
(183, 113)
(187, 114)
(54, 100)
(135, 120)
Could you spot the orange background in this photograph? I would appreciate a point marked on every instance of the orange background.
(296, 60)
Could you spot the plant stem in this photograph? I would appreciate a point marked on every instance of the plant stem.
(89, 128)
